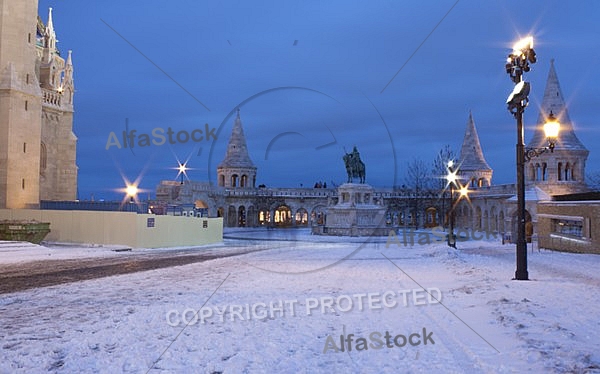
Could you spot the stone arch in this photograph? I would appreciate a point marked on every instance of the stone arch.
(251, 217)
(318, 216)
(544, 171)
(486, 222)
(301, 217)
(560, 171)
(478, 218)
(431, 217)
(282, 216)
(264, 216)
(573, 173)
(234, 180)
(231, 216)
(241, 216)
(493, 219)
(244, 180)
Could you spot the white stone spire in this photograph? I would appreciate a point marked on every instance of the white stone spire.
(237, 150)
(237, 169)
(471, 154)
(554, 102)
(473, 168)
(50, 35)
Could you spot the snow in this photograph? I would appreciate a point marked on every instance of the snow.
(485, 322)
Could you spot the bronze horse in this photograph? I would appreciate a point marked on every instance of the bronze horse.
(354, 167)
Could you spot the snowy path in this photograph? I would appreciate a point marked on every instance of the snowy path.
(119, 324)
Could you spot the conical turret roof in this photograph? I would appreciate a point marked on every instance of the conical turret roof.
(554, 102)
(237, 151)
(471, 155)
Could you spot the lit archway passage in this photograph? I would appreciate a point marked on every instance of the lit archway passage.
(283, 216)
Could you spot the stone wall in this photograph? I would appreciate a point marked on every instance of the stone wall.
(572, 226)
(123, 228)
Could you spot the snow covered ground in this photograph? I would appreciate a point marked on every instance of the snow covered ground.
(485, 322)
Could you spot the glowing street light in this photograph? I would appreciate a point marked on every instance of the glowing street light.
(451, 177)
(131, 190)
(182, 170)
(551, 129)
(463, 192)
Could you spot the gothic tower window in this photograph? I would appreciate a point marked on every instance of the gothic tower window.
(221, 180)
(43, 156)
(573, 171)
(544, 170)
(560, 171)
(234, 180)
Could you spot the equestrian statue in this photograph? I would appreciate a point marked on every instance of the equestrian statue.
(354, 166)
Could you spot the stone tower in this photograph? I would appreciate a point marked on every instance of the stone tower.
(473, 169)
(58, 170)
(237, 169)
(37, 145)
(562, 171)
(20, 105)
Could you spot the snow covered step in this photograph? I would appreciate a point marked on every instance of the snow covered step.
(11, 246)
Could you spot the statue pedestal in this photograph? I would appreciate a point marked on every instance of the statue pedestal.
(354, 214)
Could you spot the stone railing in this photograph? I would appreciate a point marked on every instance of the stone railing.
(51, 97)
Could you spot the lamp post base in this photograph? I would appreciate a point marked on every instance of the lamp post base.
(521, 275)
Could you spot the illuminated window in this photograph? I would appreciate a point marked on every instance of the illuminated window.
(568, 227)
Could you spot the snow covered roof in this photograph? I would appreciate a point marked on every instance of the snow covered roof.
(471, 155)
(237, 150)
(533, 194)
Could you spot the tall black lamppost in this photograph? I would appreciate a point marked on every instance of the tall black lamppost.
(451, 178)
(518, 63)
(462, 192)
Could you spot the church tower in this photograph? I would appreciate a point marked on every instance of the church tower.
(20, 105)
(58, 170)
(562, 171)
(473, 168)
(37, 144)
(237, 169)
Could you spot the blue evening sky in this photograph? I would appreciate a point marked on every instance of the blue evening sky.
(309, 77)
